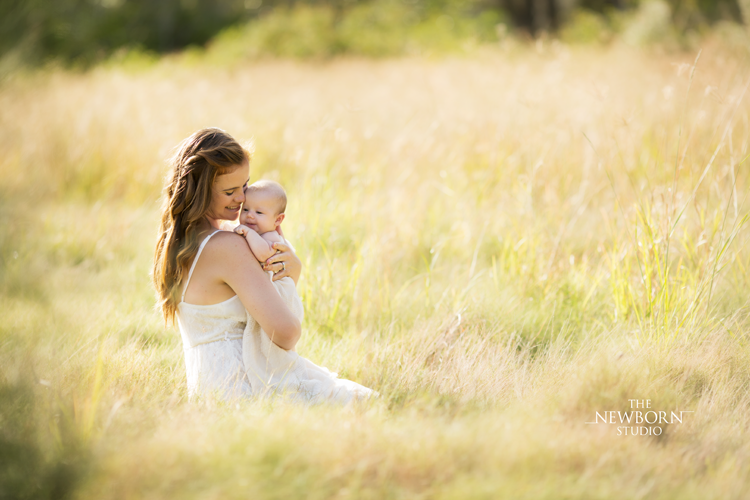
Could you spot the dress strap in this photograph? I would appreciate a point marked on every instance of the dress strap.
(192, 267)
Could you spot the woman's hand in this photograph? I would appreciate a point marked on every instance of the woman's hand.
(284, 263)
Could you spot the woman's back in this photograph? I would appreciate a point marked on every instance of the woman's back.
(212, 340)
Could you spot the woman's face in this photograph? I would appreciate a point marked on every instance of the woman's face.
(227, 194)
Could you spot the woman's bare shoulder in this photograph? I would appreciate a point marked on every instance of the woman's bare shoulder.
(226, 246)
(230, 260)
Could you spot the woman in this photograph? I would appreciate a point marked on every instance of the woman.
(212, 283)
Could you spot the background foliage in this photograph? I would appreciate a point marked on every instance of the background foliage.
(84, 31)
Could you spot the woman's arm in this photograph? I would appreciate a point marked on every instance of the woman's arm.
(237, 267)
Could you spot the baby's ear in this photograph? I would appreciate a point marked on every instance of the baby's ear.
(279, 219)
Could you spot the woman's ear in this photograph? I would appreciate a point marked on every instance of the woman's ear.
(279, 220)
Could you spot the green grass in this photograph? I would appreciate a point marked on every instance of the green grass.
(501, 245)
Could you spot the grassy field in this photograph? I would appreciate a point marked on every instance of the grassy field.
(501, 244)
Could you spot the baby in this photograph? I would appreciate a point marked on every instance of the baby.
(262, 212)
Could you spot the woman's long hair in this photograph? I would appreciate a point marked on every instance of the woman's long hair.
(199, 159)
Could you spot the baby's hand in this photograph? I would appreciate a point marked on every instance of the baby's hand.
(242, 230)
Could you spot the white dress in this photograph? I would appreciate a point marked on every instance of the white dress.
(229, 355)
(212, 340)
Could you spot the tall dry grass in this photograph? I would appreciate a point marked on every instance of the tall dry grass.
(502, 245)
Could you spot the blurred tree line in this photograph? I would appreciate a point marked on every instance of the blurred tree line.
(549, 15)
(89, 30)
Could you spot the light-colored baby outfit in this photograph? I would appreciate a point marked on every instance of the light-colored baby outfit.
(273, 371)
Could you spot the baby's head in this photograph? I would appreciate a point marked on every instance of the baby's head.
(265, 203)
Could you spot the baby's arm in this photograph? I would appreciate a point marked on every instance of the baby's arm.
(272, 237)
(259, 245)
